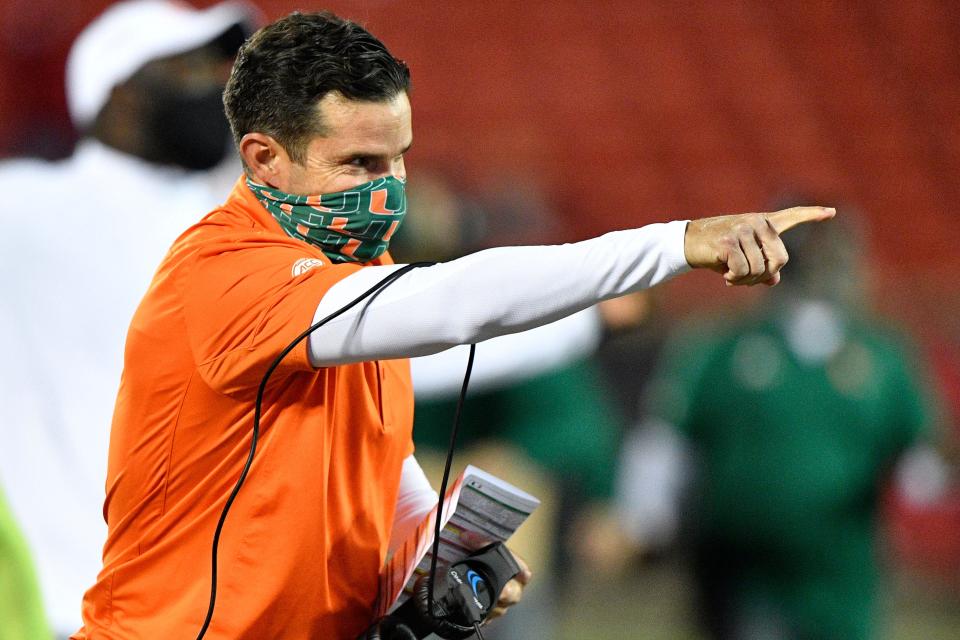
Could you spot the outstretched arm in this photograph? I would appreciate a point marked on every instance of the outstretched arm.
(510, 289)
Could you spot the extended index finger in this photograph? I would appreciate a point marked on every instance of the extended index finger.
(789, 218)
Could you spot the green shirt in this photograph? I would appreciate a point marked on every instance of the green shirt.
(791, 456)
(564, 420)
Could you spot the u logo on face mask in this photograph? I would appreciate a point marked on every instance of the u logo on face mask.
(348, 226)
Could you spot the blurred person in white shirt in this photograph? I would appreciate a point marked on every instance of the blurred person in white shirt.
(81, 240)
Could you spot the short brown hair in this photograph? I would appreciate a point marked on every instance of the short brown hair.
(285, 68)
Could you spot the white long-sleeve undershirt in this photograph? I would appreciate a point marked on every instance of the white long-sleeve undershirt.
(490, 293)
(415, 499)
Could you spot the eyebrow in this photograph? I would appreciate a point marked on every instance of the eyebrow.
(361, 154)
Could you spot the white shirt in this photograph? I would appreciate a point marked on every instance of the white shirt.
(79, 244)
(510, 359)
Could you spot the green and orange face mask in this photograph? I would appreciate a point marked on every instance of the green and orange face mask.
(348, 226)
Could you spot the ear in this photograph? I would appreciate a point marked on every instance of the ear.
(266, 159)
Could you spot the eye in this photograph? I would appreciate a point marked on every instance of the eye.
(360, 161)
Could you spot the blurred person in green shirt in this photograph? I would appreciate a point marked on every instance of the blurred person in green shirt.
(785, 423)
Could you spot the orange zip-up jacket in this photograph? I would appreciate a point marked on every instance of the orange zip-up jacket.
(308, 533)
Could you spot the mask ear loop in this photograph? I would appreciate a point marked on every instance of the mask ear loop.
(371, 292)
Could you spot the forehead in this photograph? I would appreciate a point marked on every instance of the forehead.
(373, 127)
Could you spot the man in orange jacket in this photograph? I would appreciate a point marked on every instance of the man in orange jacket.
(321, 118)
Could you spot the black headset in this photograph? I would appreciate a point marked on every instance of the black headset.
(468, 591)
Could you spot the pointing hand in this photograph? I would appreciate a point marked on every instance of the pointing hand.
(746, 248)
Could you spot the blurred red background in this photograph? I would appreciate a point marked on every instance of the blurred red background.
(626, 112)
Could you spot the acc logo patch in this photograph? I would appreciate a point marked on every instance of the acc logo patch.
(303, 265)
